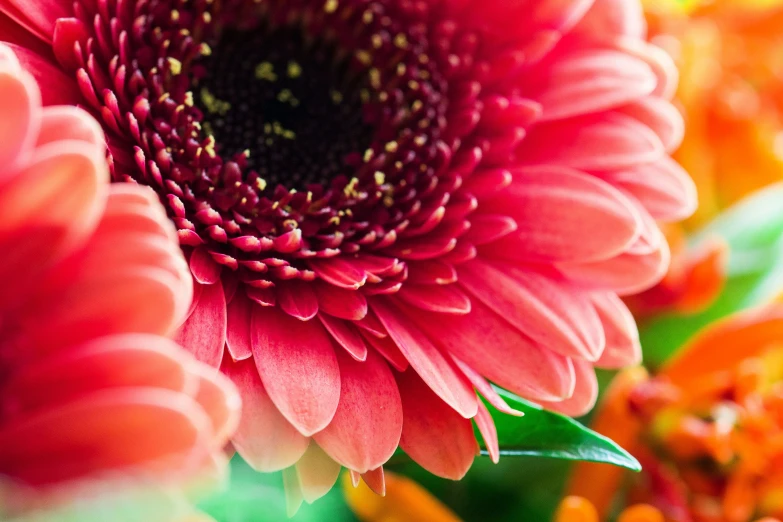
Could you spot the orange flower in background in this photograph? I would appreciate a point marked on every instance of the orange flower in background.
(708, 429)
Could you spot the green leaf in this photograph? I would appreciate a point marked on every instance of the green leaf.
(753, 230)
(542, 433)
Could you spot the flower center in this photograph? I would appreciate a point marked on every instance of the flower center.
(291, 104)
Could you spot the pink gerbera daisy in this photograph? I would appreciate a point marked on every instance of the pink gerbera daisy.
(387, 204)
(92, 282)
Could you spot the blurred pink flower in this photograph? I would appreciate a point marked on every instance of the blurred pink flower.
(93, 281)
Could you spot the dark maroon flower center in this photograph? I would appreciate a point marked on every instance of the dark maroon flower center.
(290, 102)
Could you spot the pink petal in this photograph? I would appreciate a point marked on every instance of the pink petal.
(665, 190)
(662, 117)
(297, 299)
(547, 311)
(433, 434)
(204, 268)
(375, 481)
(486, 228)
(365, 430)
(317, 473)
(609, 142)
(345, 304)
(57, 88)
(501, 353)
(298, 366)
(339, 272)
(486, 389)
(69, 123)
(426, 359)
(622, 338)
(38, 17)
(488, 432)
(585, 393)
(610, 18)
(219, 399)
(264, 438)
(20, 104)
(447, 299)
(238, 319)
(389, 350)
(600, 223)
(204, 333)
(431, 273)
(591, 81)
(624, 274)
(346, 336)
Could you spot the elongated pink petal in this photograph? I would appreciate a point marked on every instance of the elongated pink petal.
(317, 473)
(662, 117)
(39, 17)
(366, 428)
(622, 337)
(431, 273)
(585, 393)
(547, 311)
(204, 332)
(57, 88)
(590, 81)
(389, 350)
(204, 268)
(376, 481)
(507, 357)
(345, 335)
(447, 299)
(297, 299)
(488, 431)
(486, 389)
(426, 359)
(238, 320)
(599, 224)
(433, 434)
(219, 399)
(345, 304)
(264, 438)
(340, 273)
(19, 98)
(298, 366)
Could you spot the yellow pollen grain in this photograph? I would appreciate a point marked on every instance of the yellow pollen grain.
(367, 17)
(388, 201)
(383, 96)
(189, 99)
(207, 17)
(392, 146)
(380, 177)
(289, 134)
(375, 78)
(294, 69)
(237, 184)
(206, 50)
(243, 201)
(175, 66)
(163, 97)
(417, 105)
(377, 41)
(413, 85)
(174, 15)
(398, 165)
(401, 69)
(213, 104)
(337, 97)
(266, 71)
(261, 184)
(368, 155)
(331, 6)
(350, 188)
(401, 41)
(420, 140)
(246, 153)
(364, 57)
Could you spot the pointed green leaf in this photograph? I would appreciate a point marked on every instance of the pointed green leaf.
(542, 433)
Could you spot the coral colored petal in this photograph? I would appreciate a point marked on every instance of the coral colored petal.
(599, 224)
(622, 337)
(19, 101)
(431, 273)
(239, 314)
(585, 392)
(611, 18)
(488, 431)
(376, 481)
(447, 299)
(486, 389)
(117, 361)
(662, 117)
(265, 439)
(501, 353)
(104, 431)
(590, 81)
(389, 350)
(346, 336)
(297, 299)
(663, 188)
(57, 88)
(298, 366)
(433, 434)
(69, 123)
(339, 272)
(624, 274)
(549, 312)
(39, 17)
(611, 141)
(204, 332)
(219, 399)
(366, 428)
(339, 302)
(426, 359)
(205, 270)
(317, 473)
